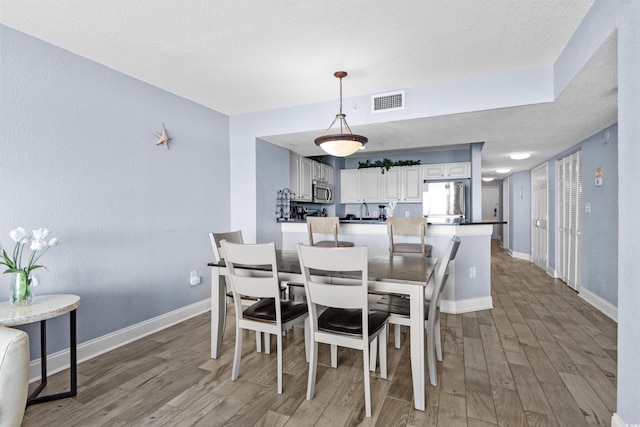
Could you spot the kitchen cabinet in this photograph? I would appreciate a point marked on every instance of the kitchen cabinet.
(403, 184)
(322, 172)
(301, 178)
(371, 185)
(350, 186)
(446, 171)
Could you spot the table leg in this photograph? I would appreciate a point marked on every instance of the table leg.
(218, 311)
(417, 346)
(73, 364)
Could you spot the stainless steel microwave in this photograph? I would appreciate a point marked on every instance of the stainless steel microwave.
(322, 192)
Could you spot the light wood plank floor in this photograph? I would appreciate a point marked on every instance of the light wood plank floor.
(541, 357)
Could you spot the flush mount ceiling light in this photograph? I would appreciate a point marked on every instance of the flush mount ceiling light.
(487, 179)
(503, 170)
(344, 143)
(520, 156)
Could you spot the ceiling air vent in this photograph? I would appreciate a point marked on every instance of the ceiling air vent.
(389, 101)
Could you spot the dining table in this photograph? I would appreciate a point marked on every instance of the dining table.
(407, 275)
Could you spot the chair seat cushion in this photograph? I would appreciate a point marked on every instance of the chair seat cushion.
(397, 305)
(412, 248)
(265, 310)
(349, 322)
(332, 244)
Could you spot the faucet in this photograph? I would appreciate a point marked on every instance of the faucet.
(366, 209)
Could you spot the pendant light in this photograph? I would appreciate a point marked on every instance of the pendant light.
(344, 143)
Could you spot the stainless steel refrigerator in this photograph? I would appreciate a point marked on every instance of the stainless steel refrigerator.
(443, 202)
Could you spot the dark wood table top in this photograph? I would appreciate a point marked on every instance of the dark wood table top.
(385, 268)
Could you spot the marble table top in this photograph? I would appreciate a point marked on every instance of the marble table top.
(41, 308)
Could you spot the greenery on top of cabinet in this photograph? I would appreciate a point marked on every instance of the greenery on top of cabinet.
(386, 164)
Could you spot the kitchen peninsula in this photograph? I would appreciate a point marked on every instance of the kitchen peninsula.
(469, 285)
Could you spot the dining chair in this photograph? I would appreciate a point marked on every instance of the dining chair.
(218, 255)
(325, 225)
(415, 226)
(399, 310)
(270, 314)
(346, 320)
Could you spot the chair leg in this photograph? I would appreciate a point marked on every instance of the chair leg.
(307, 338)
(431, 357)
(436, 336)
(373, 354)
(367, 382)
(396, 333)
(382, 338)
(259, 342)
(313, 366)
(334, 356)
(267, 342)
(279, 353)
(237, 354)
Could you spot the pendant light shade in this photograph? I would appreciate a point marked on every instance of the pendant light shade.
(346, 142)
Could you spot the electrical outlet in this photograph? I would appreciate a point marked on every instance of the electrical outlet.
(472, 273)
(194, 280)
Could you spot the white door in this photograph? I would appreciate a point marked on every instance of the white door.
(539, 216)
(505, 213)
(491, 207)
(570, 219)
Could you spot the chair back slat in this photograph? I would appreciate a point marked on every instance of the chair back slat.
(261, 284)
(337, 260)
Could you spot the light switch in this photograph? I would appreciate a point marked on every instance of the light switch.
(587, 207)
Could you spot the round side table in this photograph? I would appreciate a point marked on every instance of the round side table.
(42, 308)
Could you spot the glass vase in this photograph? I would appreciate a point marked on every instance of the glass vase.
(21, 293)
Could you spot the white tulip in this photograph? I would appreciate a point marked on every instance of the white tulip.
(54, 242)
(18, 235)
(38, 245)
(40, 233)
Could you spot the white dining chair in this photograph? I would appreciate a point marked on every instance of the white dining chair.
(270, 314)
(325, 226)
(415, 227)
(346, 320)
(218, 255)
(398, 308)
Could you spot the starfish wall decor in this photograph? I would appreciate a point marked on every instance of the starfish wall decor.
(162, 137)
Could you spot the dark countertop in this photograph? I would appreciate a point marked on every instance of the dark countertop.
(377, 221)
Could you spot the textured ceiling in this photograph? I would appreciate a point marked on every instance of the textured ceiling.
(244, 56)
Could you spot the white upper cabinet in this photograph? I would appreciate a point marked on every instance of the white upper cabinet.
(403, 184)
(350, 186)
(446, 171)
(326, 173)
(371, 185)
(301, 178)
(412, 184)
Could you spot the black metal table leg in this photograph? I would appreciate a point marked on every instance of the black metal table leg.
(73, 367)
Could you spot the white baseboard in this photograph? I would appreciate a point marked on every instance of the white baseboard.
(616, 421)
(59, 361)
(466, 306)
(608, 309)
(520, 255)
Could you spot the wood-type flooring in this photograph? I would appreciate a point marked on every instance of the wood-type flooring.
(541, 357)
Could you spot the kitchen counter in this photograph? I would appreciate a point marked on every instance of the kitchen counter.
(378, 221)
(469, 283)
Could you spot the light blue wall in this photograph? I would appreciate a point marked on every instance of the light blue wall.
(272, 172)
(520, 213)
(78, 156)
(599, 273)
(628, 376)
